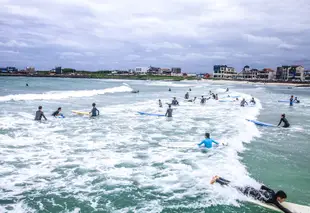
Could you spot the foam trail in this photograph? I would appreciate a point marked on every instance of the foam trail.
(56, 95)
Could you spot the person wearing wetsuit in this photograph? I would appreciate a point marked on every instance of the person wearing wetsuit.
(192, 100)
(57, 112)
(243, 102)
(159, 103)
(216, 97)
(186, 96)
(169, 112)
(207, 142)
(252, 101)
(27, 85)
(296, 100)
(284, 120)
(227, 90)
(213, 95)
(203, 100)
(291, 100)
(174, 102)
(169, 89)
(94, 111)
(39, 114)
(264, 194)
(190, 89)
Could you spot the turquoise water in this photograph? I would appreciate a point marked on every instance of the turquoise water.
(116, 163)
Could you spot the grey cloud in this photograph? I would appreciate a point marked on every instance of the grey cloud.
(194, 34)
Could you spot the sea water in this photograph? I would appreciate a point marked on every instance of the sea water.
(115, 163)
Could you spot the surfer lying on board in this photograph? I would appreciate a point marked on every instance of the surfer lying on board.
(39, 114)
(207, 142)
(57, 112)
(169, 112)
(264, 194)
(94, 111)
(284, 120)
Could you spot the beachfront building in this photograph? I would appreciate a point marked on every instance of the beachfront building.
(290, 72)
(141, 70)
(154, 70)
(166, 71)
(176, 70)
(247, 73)
(224, 72)
(266, 74)
(307, 75)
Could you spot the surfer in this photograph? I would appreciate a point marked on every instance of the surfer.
(243, 102)
(135, 91)
(186, 96)
(227, 90)
(296, 100)
(202, 100)
(216, 97)
(169, 112)
(213, 95)
(27, 85)
(284, 120)
(264, 194)
(252, 101)
(207, 142)
(159, 103)
(169, 89)
(190, 89)
(57, 112)
(175, 102)
(291, 100)
(94, 110)
(39, 114)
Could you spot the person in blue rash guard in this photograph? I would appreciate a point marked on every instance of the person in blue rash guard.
(291, 100)
(208, 141)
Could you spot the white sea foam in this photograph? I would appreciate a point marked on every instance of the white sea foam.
(56, 95)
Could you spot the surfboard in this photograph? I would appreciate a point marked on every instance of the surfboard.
(293, 207)
(80, 112)
(226, 101)
(286, 101)
(260, 123)
(151, 114)
(60, 116)
(186, 145)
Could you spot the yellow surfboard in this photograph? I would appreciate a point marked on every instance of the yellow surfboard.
(80, 112)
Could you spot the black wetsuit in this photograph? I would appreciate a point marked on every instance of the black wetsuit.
(160, 104)
(186, 96)
(286, 123)
(203, 100)
(174, 103)
(264, 194)
(94, 112)
(243, 103)
(39, 115)
(169, 113)
(55, 113)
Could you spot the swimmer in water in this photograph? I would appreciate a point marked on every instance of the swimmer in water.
(252, 101)
(169, 112)
(39, 114)
(207, 142)
(243, 102)
(284, 120)
(94, 111)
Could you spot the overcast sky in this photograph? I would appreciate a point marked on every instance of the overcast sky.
(121, 34)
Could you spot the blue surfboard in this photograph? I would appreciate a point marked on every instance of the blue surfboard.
(260, 123)
(151, 114)
(286, 101)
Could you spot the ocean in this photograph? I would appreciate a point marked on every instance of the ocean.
(116, 162)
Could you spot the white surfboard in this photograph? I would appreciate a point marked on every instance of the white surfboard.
(295, 208)
(80, 112)
(185, 144)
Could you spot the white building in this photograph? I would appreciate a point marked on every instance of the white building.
(141, 70)
(224, 72)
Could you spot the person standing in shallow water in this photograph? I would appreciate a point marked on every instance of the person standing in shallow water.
(39, 114)
(169, 112)
(291, 100)
(159, 103)
(94, 112)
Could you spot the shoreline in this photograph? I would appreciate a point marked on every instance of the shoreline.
(164, 78)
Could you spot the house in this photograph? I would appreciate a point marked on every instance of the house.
(266, 74)
(12, 69)
(58, 70)
(290, 72)
(141, 70)
(3, 70)
(307, 75)
(224, 72)
(166, 71)
(176, 70)
(247, 73)
(154, 70)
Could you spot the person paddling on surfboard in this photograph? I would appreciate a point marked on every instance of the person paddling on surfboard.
(284, 120)
(39, 114)
(264, 194)
(57, 112)
(169, 112)
(94, 111)
(207, 142)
